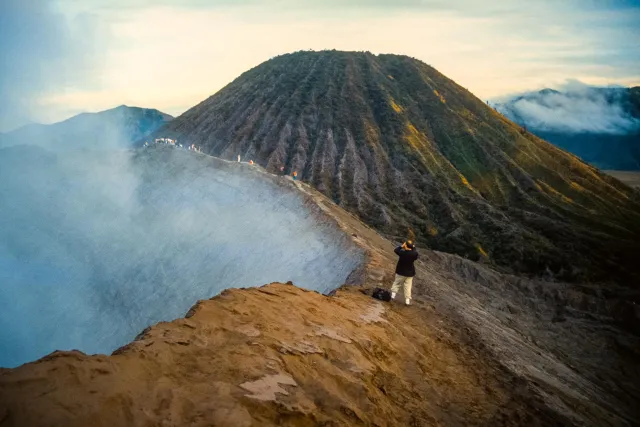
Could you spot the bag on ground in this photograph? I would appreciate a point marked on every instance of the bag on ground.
(381, 294)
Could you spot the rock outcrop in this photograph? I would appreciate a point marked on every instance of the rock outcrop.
(476, 348)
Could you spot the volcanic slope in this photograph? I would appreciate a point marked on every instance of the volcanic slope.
(391, 139)
(475, 348)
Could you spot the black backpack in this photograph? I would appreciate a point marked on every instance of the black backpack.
(381, 294)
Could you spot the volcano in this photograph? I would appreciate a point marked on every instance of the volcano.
(411, 152)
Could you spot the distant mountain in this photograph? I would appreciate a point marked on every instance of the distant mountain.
(600, 125)
(115, 128)
(399, 144)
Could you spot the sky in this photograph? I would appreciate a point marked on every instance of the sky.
(62, 57)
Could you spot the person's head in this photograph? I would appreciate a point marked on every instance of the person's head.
(409, 244)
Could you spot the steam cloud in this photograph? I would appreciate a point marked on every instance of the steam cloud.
(578, 108)
(95, 246)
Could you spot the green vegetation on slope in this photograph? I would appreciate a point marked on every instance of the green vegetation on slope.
(401, 145)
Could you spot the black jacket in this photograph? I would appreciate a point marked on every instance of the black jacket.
(405, 263)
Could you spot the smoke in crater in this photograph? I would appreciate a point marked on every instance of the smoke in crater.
(95, 246)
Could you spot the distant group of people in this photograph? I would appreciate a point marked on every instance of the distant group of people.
(294, 174)
(168, 141)
(173, 142)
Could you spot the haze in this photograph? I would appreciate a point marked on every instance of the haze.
(96, 246)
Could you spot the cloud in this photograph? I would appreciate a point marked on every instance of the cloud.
(576, 108)
(43, 52)
(170, 54)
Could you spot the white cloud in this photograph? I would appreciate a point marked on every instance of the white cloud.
(576, 108)
(173, 56)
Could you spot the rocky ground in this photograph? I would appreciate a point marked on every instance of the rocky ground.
(476, 348)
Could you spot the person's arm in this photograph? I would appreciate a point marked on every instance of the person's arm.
(398, 250)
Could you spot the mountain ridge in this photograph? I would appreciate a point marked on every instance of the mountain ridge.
(117, 127)
(396, 142)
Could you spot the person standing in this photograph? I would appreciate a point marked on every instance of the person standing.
(405, 270)
(295, 175)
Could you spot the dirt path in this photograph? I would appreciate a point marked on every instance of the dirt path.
(276, 355)
(557, 344)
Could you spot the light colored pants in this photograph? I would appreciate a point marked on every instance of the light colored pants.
(402, 280)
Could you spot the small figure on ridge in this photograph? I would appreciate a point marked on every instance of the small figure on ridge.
(405, 271)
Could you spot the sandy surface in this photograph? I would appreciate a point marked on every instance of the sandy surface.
(276, 355)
